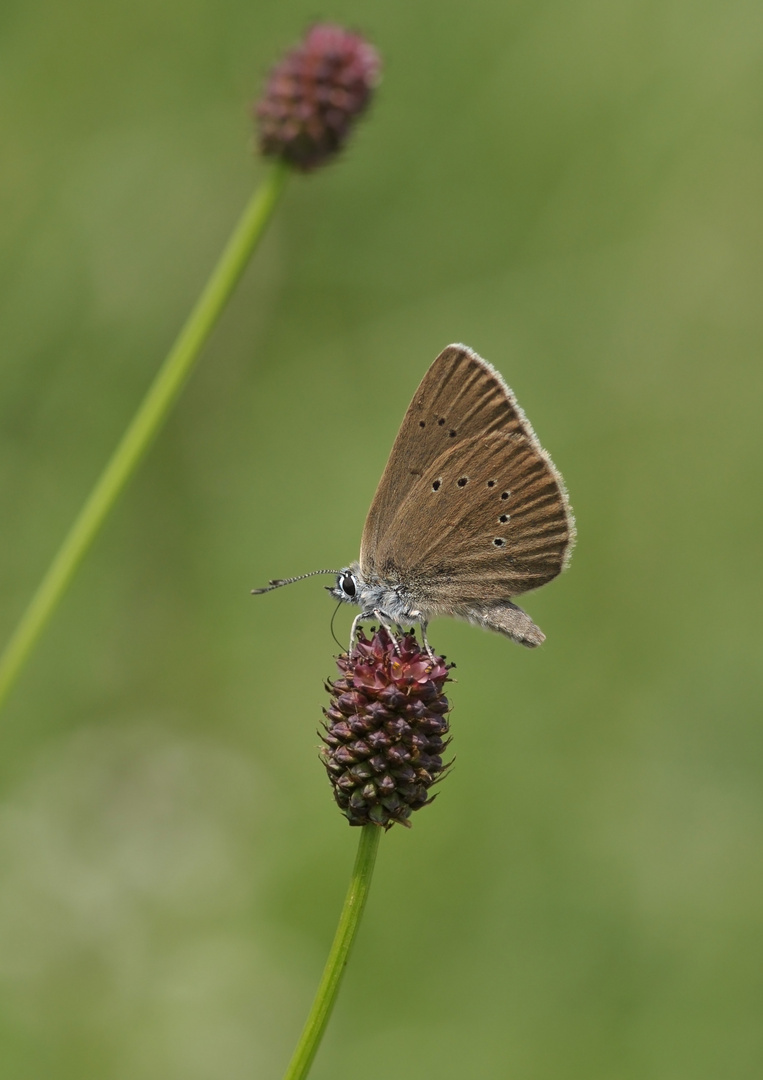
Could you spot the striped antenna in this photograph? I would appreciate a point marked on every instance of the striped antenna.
(276, 583)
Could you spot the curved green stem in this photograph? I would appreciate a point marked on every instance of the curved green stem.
(349, 921)
(144, 426)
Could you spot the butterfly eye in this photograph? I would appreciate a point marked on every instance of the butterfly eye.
(346, 583)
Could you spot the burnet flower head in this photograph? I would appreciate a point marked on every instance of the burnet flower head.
(315, 94)
(386, 729)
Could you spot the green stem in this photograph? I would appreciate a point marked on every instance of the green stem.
(144, 426)
(349, 921)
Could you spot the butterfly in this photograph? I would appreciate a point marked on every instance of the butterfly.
(469, 512)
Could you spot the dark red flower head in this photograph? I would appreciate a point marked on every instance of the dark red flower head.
(314, 95)
(386, 729)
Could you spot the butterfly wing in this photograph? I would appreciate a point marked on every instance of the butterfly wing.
(470, 509)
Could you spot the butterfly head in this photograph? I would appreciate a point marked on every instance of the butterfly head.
(347, 586)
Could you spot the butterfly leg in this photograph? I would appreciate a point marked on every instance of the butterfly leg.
(356, 623)
(384, 621)
(389, 626)
(424, 624)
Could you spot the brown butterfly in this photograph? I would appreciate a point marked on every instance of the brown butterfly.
(470, 510)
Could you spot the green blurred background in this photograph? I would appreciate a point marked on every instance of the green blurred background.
(573, 189)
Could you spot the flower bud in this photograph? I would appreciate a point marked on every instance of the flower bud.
(314, 95)
(386, 729)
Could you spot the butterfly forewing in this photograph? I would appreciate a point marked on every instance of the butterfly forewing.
(467, 459)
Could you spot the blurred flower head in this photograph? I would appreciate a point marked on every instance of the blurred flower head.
(314, 95)
(386, 729)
